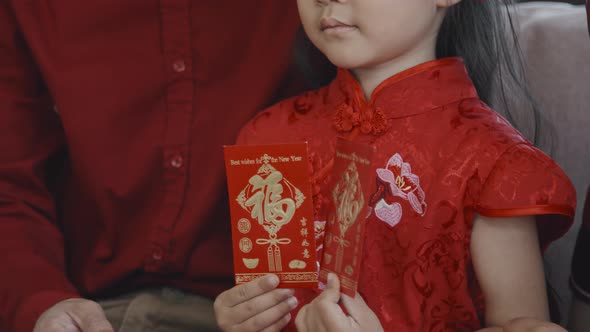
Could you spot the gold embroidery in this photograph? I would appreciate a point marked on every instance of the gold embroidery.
(401, 183)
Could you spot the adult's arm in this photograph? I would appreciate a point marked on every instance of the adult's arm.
(33, 276)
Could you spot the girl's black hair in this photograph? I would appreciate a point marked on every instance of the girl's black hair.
(483, 33)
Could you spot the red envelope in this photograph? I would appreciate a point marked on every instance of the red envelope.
(272, 213)
(347, 213)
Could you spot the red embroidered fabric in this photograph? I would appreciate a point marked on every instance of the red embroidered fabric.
(442, 156)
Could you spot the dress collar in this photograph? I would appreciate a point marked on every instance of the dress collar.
(422, 88)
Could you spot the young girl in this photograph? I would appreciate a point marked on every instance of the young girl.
(462, 203)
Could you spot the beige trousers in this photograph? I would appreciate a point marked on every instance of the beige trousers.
(160, 310)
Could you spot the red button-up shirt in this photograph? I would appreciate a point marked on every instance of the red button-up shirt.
(112, 119)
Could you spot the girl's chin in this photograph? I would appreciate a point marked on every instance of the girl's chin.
(351, 63)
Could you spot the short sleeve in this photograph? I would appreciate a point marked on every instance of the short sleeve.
(526, 182)
(580, 278)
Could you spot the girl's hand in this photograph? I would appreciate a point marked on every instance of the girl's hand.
(531, 325)
(255, 306)
(325, 314)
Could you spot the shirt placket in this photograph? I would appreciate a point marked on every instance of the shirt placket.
(178, 64)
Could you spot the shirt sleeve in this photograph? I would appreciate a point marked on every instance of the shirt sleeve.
(580, 278)
(33, 274)
(526, 182)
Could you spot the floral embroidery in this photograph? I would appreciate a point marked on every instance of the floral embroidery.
(451, 315)
(397, 180)
(440, 256)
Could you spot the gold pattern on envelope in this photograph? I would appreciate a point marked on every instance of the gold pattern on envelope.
(250, 263)
(245, 245)
(290, 277)
(297, 264)
(244, 226)
(272, 201)
(349, 270)
(349, 201)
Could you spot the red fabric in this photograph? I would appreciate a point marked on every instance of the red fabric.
(146, 94)
(442, 155)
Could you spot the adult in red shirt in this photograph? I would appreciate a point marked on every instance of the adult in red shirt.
(112, 118)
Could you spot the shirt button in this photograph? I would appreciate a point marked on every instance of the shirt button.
(179, 66)
(176, 161)
(157, 254)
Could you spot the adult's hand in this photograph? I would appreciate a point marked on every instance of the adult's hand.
(255, 306)
(74, 315)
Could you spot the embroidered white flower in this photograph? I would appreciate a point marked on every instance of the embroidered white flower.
(397, 180)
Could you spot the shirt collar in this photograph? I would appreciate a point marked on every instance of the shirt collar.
(422, 88)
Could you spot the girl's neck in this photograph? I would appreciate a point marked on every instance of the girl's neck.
(369, 78)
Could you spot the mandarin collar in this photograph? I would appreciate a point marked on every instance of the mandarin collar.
(428, 86)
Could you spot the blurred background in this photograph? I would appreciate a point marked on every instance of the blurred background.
(556, 47)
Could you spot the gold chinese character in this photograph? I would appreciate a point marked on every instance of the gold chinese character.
(348, 198)
(304, 232)
(305, 243)
(267, 203)
(303, 222)
(305, 253)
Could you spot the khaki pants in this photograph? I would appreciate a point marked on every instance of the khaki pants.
(160, 310)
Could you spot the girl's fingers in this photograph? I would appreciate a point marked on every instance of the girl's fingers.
(247, 291)
(270, 317)
(278, 325)
(332, 291)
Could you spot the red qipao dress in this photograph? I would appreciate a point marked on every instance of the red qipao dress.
(442, 156)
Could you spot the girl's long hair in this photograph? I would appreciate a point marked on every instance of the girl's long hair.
(483, 33)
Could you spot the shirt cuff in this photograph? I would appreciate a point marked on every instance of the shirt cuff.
(30, 309)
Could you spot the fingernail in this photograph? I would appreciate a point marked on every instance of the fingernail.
(289, 291)
(273, 280)
(286, 292)
(292, 302)
(288, 317)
